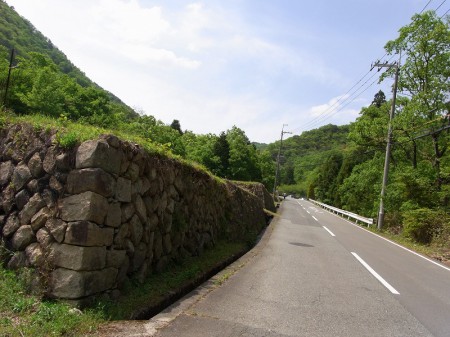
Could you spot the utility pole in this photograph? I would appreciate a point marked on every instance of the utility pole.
(278, 159)
(395, 65)
(9, 77)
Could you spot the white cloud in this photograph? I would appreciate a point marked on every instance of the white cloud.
(129, 21)
(330, 107)
(200, 62)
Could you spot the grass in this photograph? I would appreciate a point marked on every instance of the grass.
(439, 252)
(23, 314)
(157, 286)
(70, 134)
(435, 251)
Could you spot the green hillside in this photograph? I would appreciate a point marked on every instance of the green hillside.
(339, 165)
(18, 33)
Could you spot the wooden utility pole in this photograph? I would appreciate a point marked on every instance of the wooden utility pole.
(278, 160)
(387, 158)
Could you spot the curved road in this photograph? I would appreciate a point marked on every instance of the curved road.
(319, 275)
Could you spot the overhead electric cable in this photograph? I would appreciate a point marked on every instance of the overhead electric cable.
(347, 98)
(425, 6)
(443, 2)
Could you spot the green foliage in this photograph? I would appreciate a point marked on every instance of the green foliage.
(359, 192)
(326, 183)
(157, 286)
(26, 315)
(176, 126)
(221, 150)
(243, 162)
(67, 140)
(425, 79)
(379, 99)
(424, 224)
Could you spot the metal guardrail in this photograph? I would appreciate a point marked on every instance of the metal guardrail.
(350, 215)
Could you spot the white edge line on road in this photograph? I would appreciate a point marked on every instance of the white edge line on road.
(314, 217)
(331, 233)
(394, 243)
(377, 276)
(400, 246)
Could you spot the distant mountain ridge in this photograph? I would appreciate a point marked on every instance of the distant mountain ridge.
(19, 33)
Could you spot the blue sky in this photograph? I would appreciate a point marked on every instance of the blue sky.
(256, 64)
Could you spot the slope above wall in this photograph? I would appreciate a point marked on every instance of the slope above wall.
(90, 217)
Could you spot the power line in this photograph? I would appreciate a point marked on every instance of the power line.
(345, 99)
(425, 6)
(448, 10)
(443, 2)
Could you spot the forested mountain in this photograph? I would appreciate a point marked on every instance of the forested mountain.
(18, 33)
(303, 154)
(343, 166)
(44, 81)
(339, 165)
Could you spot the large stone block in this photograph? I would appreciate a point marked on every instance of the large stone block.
(114, 215)
(123, 190)
(141, 211)
(98, 153)
(127, 212)
(21, 199)
(77, 258)
(32, 207)
(49, 162)
(6, 172)
(71, 284)
(65, 283)
(23, 237)
(132, 172)
(136, 230)
(40, 218)
(11, 226)
(21, 176)
(57, 228)
(85, 233)
(35, 254)
(91, 179)
(35, 166)
(115, 258)
(87, 206)
(99, 281)
(44, 237)
(17, 261)
(139, 256)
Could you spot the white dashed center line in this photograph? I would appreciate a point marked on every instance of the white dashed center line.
(331, 233)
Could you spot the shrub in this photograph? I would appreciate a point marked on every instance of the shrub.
(424, 224)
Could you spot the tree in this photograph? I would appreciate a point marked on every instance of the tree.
(326, 186)
(199, 148)
(176, 126)
(221, 150)
(379, 99)
(425, 76)
(243, 157)
(370, 128)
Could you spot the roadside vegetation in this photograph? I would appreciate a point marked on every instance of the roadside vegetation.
(25, 314)
(339, 165)
(343, 166)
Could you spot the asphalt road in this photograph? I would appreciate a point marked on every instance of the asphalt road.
(309, 280)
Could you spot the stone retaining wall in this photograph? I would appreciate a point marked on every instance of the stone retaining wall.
(91, 217)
